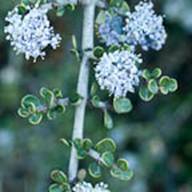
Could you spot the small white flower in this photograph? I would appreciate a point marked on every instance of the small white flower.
(88, 187)
(31, 33)
(145, 28)
(118, 73)
(66, 2)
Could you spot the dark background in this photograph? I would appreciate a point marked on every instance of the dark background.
(156, 137)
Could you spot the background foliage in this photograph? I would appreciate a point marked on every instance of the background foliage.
(155, 137)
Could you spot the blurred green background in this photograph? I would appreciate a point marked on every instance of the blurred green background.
(155, 137)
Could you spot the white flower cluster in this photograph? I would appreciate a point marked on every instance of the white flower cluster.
(141, 27)
(145, 28)
(88, 187)
(118, 73)
(31, 33)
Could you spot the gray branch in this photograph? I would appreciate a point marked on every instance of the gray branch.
(82, 86)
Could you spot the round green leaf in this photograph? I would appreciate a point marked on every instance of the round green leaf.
(146, 74)
(122, 105)
(121, 170)
(96, 101)
(145, 94)
(98, 51)
(22, 112)
(58, 176)
(30, 103)
(107, 159)
(153, 86)
(35, 118)
(48, 96)
(106, 144)
(94, 170)
(75, 99)
(87, 144)
(56, 188)
(173, 85)
(156, 73)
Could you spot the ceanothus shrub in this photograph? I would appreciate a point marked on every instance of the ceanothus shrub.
(118, 67)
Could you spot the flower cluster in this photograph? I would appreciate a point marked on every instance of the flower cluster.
(31, 33)
(145, 28)
(111, 29)
(141, 27)
(118, 73)
(88, 187)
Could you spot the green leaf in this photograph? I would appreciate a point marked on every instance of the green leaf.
(22, 8)
(146, 74)
(58, 93)
(108, 159)
(116, 3)
(108, 121)
(60, 11)
(94, 170)
(48, 96)
(30, 103)
(35, 118)
(94, 89)
(167, 85)
(56, 188)
(66, 187)
(87, 144)
(173, 85)
(121, 170)
(22, 112)
(58, 176)
(53, 113)
(156, 73)
(122, 105)
(81, 152)
(70, 7)
(153, 86)
(124, 7)
(123, 164)
(101, 17)
(74, 42)
(98, 51)
(26, 2)
(106, 144)
(145, 94)
(113, 48)
(96, 101)
(65, 142)
(75, 99)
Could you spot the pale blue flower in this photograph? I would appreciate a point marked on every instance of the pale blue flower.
(111, 29)
(145, 28)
